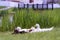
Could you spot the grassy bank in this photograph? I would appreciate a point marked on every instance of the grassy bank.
(52, 35)
(2, 7)
(26, 18)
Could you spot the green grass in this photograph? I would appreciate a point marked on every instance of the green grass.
(2, 7)
(52, 35)
(26, 18)
(45, 18)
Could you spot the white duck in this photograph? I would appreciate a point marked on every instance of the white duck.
(37, 29)
(18, 28)
(25, 30)
(42, 30)
(32, 29)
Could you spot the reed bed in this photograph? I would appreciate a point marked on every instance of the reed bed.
(27, 18)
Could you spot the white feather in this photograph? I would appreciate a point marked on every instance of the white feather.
(38, 29)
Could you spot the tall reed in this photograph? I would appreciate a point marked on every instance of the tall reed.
(27, 18)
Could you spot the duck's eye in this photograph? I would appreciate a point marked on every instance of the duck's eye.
(35, 27)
